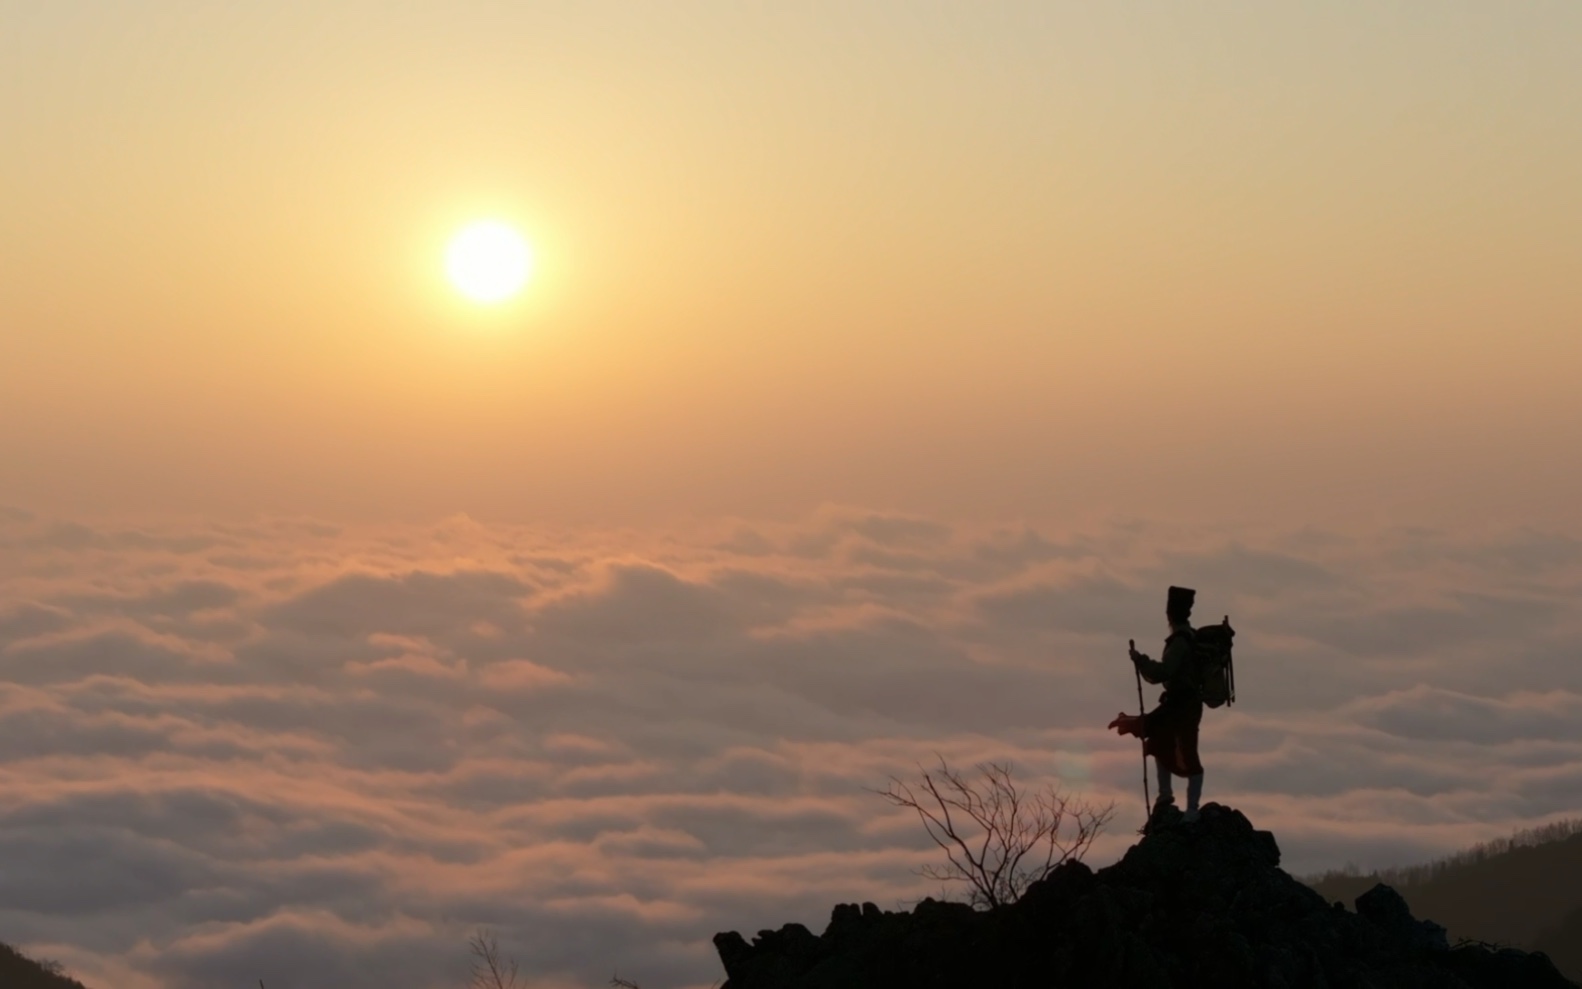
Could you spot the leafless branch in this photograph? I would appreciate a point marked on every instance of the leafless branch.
(489, 970)
(996, 838)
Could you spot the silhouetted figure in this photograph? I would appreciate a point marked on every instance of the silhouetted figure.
(1169, 732)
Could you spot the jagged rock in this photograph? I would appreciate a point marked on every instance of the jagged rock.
(1200, 904)
(1387, 908)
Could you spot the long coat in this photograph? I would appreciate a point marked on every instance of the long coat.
(1170, 730)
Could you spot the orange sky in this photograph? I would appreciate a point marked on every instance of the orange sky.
(882, 365)
(1029, 260)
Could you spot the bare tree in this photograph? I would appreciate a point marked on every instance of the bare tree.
(489, 970)
(996, 838)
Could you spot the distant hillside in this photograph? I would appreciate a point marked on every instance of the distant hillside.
(17, 971)
(1563, 945)
(1524, 891)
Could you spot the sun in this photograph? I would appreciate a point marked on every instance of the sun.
(488, 261)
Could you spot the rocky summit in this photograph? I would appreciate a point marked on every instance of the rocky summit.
(1199, 904)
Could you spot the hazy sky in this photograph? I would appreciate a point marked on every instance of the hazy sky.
(882, 365)
(980, 259)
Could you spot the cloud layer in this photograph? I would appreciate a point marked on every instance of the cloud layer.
(324, 757)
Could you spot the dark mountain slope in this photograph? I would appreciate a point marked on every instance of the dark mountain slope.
(1202, 904)
(1511, 896)
(17, 971)
(1563, 944)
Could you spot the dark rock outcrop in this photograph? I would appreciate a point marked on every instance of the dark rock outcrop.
(1201, 904)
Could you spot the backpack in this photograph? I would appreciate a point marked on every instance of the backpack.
(1216, 676)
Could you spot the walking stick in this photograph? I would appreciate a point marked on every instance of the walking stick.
(1142, 711)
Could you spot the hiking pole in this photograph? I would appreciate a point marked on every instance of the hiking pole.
(1142, 712)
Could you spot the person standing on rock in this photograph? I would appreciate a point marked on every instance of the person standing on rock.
(1169, 732)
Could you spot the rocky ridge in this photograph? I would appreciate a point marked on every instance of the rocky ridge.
(1199, 904)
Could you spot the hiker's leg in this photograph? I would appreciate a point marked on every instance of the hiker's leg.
(1162, 769)
(1192, 768)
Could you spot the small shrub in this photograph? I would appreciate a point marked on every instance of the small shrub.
(996, 838)
(489, 969)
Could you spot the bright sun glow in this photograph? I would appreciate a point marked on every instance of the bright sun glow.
(488, 261)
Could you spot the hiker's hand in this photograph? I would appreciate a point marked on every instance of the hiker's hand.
(1131, 649)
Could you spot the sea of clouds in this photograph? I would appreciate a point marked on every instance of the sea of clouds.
(323, 757)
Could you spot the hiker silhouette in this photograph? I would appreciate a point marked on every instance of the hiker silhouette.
(1170, 731)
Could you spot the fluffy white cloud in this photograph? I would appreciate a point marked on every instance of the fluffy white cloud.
(322, 757)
